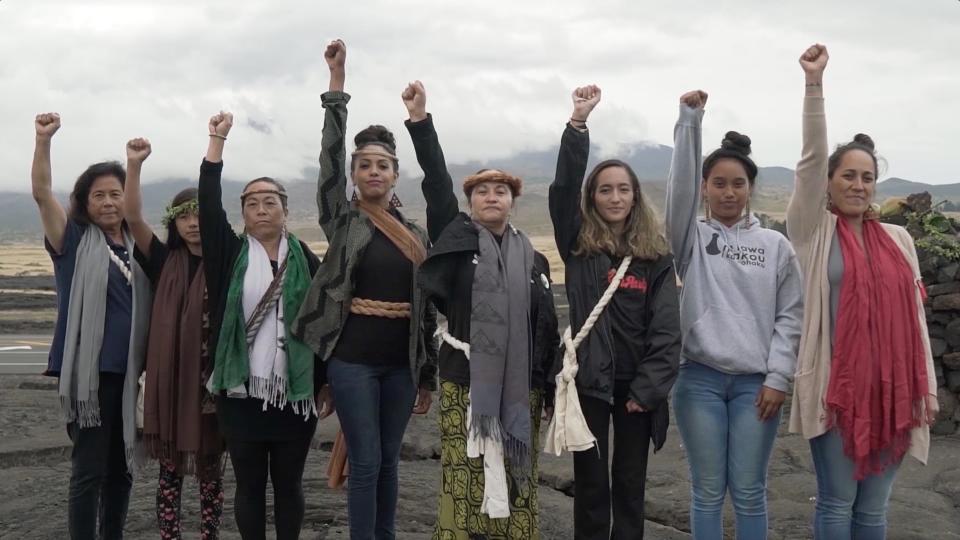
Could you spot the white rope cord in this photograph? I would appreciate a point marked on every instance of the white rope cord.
(570, 345)
(124, 268)
(461, 346)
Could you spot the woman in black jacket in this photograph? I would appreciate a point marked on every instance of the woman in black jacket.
(494, 289)
(629, 359)
(265, 380)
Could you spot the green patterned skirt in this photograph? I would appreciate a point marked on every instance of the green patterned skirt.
(461, 492)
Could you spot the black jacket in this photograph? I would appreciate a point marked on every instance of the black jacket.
(447, 274)
(658, 342)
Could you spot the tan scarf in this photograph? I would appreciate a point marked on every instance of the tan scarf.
(398, 233)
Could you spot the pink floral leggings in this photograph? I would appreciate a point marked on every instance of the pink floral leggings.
(168, 504)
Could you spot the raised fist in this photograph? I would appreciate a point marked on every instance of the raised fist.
(336, 54)
(220, 123)
(47, 124)
(415, 98)
(138, 149)
(585, 99)
(814, 59)
(695, 99)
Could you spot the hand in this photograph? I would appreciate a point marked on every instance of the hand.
(220, 124)
(634, 407)
(768, 402)
(415, 99)
(814, 60)
(138, 150)
(47, 124)
(695, 99)
(336, 55)
(424, 399)
(325, 402)
(585, 99)
(932, 407)
(547, 414)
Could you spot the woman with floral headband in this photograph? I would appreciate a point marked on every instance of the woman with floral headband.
(179, 425)
(267, 382)
(364, 315)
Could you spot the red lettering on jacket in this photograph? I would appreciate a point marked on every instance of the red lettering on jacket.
(628, 282)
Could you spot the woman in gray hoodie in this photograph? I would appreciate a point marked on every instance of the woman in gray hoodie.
(741, 312)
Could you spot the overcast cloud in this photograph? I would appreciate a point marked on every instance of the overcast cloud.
(498, 75)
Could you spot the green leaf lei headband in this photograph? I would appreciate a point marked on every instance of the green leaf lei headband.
(173, 212)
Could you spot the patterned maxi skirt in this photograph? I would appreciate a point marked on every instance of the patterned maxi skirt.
(461, 492)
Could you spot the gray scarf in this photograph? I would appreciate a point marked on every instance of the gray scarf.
(80, 373)
(500, 343)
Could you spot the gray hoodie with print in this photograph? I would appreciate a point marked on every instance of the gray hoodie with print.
(741, 306)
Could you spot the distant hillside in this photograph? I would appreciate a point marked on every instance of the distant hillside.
(19, 220)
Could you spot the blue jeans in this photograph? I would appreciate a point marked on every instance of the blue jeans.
(728, 447)
(847, 508)
(373, 404)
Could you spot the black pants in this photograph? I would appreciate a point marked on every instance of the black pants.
(99, 480)
(592, 487)
(284, 462)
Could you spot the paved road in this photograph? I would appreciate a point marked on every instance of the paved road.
(23, 354)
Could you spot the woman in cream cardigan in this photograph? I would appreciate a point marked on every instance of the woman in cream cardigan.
(865, 389)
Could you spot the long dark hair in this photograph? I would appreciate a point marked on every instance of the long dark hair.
(81, 188)
(174, 240)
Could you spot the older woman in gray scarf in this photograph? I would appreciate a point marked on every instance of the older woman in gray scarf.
(103, 303)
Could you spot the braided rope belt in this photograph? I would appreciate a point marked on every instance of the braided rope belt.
(379, 308)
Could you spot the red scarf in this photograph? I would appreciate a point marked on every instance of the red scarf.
(878, 379)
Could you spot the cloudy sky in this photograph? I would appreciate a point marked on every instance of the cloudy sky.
(498, 74)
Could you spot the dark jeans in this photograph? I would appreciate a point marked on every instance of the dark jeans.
(284, 462)
(373, 404)
(99, 480)
(591, 480)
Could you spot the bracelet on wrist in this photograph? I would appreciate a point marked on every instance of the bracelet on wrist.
(217, 135)
(584, 121)
(814, 84)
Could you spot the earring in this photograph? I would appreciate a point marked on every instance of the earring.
(395, 201)
(748, 212)
(354, 198)
(706, 209)
(829, 202)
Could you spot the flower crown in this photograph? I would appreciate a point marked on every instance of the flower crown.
(173, 212)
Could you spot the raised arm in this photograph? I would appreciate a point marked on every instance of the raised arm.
(437, 185)
(564, 199)
(216, 234)
(808, 202)
(52, 214)
(685, 177)
(137, 152)
(332, 183)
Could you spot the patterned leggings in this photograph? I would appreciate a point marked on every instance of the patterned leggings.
(168, 504)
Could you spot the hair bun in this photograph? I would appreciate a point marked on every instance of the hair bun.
(376, 134)
(864, 140)
(737, 142)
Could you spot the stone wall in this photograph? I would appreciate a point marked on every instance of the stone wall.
(938, 249)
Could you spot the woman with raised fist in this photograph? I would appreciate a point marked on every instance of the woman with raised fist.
(741, 312)
(364, 316)
(179, 425)
(865, 391)
(267, 382)
(103, 310)
(624, 336)
(500, 340)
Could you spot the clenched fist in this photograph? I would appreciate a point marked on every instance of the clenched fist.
(138, 150)
(585, 99)
(47, 124)
(695, 99)
(814, 59)
(220, 123)
(336, 54)
(415, 99)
